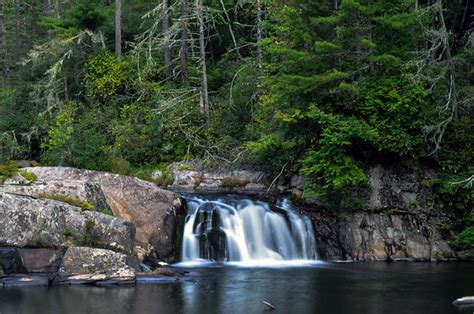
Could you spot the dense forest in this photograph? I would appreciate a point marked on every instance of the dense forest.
(317, 87)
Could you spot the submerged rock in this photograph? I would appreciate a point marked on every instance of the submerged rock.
(83, 265)
(464, 303)
(22, 280)
(152, 210)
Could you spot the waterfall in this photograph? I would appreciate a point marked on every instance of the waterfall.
(232, 229)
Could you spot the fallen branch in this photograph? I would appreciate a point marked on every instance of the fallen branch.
(269, 305)
(278, 176)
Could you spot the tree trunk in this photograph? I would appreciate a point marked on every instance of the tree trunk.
(334, 4)
(47, 7)
(3, 50)
(229, 23)
(183, 51)
(166, 33)
(118, 28)
(259, 37)
(204, 101)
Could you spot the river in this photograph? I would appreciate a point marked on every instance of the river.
(369, 288)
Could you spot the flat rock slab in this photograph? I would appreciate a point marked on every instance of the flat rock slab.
(25, 280)
(93, 279)
(83, 265)
(144, 279)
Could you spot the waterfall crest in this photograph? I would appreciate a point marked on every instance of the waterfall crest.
(231, 229)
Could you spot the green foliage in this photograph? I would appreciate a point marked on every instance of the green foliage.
(396, 108)
(106, 76)
(88, 239)
(338, 90)
(165, 179)
(466, 237)
(29, 176)
(89, 225)
(7, 170)
(84, 205)
(184, 167)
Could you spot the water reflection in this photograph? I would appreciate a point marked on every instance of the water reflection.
(327, 288)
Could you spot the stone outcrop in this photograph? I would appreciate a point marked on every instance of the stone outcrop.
(152, 210)
(75, 189)
(84, 265)
(397, 222)
(31, 222)
(377, 237)
(193, 177)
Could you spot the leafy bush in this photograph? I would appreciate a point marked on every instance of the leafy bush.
(466, 237)
(106, 75)
(7, 170)
(165, 179)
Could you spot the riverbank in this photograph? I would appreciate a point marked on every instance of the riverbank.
(102, 228)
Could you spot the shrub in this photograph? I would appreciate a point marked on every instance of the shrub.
(120, 166)
(7, 170)
(165, 179)
(466, 237)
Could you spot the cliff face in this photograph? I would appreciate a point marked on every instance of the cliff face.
(398, 222)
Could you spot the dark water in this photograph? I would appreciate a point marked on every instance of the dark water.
(327, 288)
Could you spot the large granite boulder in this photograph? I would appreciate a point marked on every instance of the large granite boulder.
(84, 265)
(152, 210)
(73, 189)
(31, 222)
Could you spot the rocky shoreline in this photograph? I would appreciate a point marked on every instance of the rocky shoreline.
(72, 226)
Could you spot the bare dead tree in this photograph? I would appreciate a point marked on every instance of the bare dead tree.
(229, 24)
(183, 51)
(439, 56)
(259, 36)
(3, 50)
(166, 42)
(47, 7)
(118, 28)
(204, 93)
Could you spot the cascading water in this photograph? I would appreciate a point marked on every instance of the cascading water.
(229, 229)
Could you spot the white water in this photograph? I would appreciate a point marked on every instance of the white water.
(246, 233)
